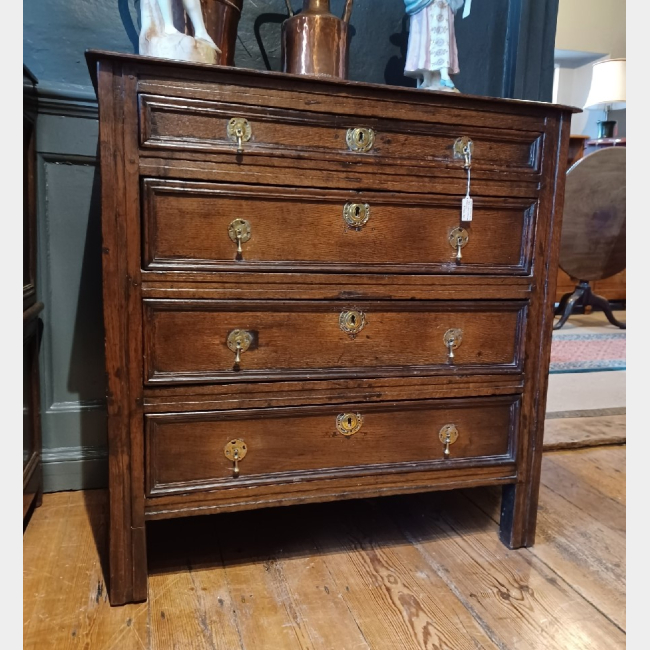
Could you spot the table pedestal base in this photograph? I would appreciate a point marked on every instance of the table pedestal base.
(584, 296)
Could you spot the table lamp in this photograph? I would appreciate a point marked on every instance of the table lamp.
(607, 92)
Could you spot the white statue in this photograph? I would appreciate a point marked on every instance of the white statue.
(160, 38)
(432, 54)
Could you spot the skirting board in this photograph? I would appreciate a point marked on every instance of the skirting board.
(74, 468)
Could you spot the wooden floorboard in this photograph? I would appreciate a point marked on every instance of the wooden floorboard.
(580, 523)
(519, 599)
(584, 432)
(398, 599)
(419, 571)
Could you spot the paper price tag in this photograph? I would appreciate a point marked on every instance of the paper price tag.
(467, 209)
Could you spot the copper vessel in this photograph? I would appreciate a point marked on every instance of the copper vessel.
(315, 41)
(221, 20)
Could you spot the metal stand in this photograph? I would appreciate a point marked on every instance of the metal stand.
(584, 296)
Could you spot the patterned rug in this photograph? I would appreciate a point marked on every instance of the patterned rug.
(587, 352)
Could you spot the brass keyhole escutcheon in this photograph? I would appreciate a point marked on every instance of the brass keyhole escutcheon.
(239, 131)
(452, 339)
(239, 341)
(360, 139)
(356, 215)
(239, 231)
(458, 238)
(448, 436)
(235, 451)
(348, 424)
(352, 322)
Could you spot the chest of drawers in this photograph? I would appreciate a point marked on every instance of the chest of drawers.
(288, 314)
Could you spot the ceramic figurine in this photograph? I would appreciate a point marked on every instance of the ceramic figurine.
(432, 54)
(159, 36)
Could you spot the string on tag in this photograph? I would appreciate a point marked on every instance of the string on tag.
(467, 204)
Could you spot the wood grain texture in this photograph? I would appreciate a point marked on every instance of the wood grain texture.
(368, 482)
(590, 553)
(613, 287)
(188, 398)
(334, 286)
(65, 600)
(579, 432)
(514, 592)
(293, 230)
(187, 451)
(593, 235)
(198, 125)
(186, 341)
(269, 170)
(163, 125)
(417, 572)
(120, 269)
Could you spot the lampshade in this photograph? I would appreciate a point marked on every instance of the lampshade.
(607, 85)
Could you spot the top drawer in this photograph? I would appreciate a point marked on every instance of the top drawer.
(197, 125)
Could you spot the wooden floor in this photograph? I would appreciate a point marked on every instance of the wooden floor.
(423, 571)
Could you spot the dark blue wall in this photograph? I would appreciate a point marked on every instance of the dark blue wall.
(56, 33)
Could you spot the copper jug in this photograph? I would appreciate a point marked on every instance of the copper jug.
(315, 41)
(221, 20)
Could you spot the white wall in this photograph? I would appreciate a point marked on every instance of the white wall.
(588, 26)
(591, 26)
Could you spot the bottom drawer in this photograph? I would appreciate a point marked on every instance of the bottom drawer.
(187, 452)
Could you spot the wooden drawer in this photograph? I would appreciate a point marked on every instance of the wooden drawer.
(187, 226)
(186, 452)
(195, 125)
(187, 341)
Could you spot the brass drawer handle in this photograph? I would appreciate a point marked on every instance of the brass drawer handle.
(448, 436)
(352, 322)
(348, 424)
(360, 139)
(239, 231)
(239, 131)
(239, 341)
(356, 215)
(235, 451)
(458, 238)
(452, 339)
(464, 148)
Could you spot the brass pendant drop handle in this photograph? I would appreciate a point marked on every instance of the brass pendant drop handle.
(239, 232)
(239, 341)
(458, 238)
(239, 131)
(448, 436)
(464, 148)
(452, 339)
(235, 451)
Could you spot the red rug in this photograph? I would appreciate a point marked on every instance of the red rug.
(587, 352)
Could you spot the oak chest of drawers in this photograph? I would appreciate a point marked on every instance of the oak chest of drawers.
(294, 310)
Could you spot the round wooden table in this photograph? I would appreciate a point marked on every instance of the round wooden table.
(593, 228)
